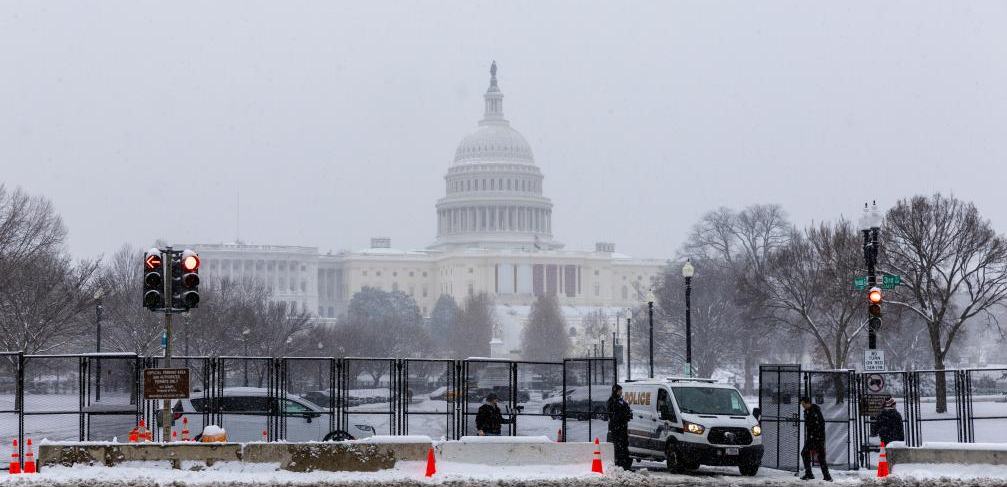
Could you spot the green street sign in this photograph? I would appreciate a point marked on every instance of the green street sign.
(860, 283)
(889, 281)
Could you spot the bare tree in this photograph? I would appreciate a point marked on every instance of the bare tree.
(741, 242)
(953, 267)
(806, 286)
(128, 326)
(29, 227)
(474, 329)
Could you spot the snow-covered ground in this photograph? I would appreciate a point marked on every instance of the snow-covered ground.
(464, 474)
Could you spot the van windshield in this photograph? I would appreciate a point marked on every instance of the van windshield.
(710, 400)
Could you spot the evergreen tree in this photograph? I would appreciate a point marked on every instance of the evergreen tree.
(473, 331)
(545, 338)
(443, 320)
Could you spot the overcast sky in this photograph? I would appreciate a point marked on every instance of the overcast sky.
(336, 121)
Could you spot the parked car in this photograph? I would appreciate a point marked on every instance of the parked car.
(246, 410)
(578, 403)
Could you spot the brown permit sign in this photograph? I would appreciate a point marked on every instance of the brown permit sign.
(166, 383)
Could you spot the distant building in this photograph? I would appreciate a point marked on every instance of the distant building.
(494, 235)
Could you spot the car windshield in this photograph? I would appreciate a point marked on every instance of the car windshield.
(710, 400)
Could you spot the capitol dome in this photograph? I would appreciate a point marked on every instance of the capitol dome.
(494, 196)
(494, 142)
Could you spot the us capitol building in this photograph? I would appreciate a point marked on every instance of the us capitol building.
(494, 235)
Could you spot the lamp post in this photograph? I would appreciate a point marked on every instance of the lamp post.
(650, 317)
(870, 225)
(629, 344)
(98, 308)
(687, 272)
(320, 347)
(244, 342)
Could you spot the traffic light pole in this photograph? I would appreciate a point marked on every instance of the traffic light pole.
(166, 413)
(871, 259)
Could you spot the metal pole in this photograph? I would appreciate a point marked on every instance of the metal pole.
(97, 386)
(688, 324)
(629, 349)
(244, 342)
(168, 302)
(650, 314)
(870, 258)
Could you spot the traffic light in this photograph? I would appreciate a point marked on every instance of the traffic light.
(188, 280)
(874, 297)
(153, 280)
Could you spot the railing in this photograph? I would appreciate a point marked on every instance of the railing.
(99, 397)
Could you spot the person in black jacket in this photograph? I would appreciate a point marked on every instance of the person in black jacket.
(888, 424)
(814, 439)
(488, 418)
(619, 414)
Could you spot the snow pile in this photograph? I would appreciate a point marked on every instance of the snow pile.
(382, 439)
(945, 471)
(505, 439)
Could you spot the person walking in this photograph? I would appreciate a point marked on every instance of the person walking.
(888, 424)
(814, 440)
(488, 418)
(619, 414)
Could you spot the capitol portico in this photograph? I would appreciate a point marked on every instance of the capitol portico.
(493, 235)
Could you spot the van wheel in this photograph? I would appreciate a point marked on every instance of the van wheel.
(690, 466)
(673, 458)
(749, 469)
(339, 435)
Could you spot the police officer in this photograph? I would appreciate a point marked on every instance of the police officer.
(619, 414)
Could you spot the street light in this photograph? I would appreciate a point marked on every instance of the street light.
(687, 272)
(650, 316)
(98, 308)
(244, 342)
(629, 344)
(870, 224)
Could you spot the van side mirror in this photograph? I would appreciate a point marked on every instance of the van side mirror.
(757, 412)
(668, 415)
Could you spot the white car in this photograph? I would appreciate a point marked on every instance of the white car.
(245, 413)
(690, 422)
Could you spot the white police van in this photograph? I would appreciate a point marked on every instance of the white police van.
(690, 422)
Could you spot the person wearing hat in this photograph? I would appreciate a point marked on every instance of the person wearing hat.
(488, 418)
(814, 440)
(619, 415)
(888, 424)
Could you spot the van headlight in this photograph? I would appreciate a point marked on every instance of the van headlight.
(696, 429)
(756, 430)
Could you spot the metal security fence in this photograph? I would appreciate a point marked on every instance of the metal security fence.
(99, 397)
(951, 406)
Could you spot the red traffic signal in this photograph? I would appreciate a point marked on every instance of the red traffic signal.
(152, 261)
(190, 261)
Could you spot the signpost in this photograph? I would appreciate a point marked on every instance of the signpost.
(165, 384)
(859, 283)
(873, 402)
(874, 361)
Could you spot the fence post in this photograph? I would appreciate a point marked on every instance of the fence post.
(19, 400)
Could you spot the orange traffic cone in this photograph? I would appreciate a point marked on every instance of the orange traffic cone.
(174, 435)
(265, 436)
(431, 463)
(882, 462)
(15, 461)
(596, 463)
(185, 428)
(559, 435)
(29, 460)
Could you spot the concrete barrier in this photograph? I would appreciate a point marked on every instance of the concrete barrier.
(517, 451)
(111, 454)
(360, 456)
(961, 453)
(335, 457)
